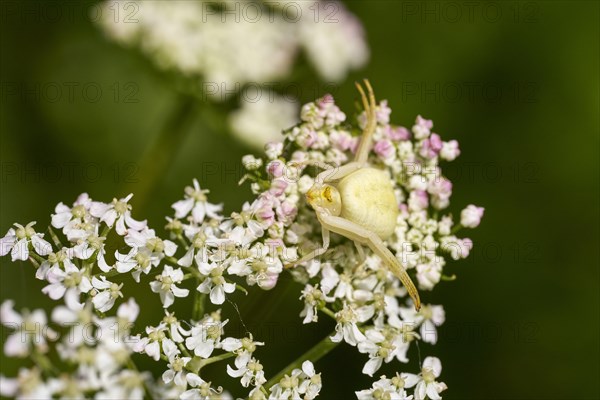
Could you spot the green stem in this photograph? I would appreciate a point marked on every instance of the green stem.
(241, 288)
(184, 350)
(44, 363)
(105, 231)
(198, 311)
(182, 242)
(160, 155)
(111, 273)
(172, 260)
(314, 354)
(36, 257)
(55, 238)
(35, 263)
(456, 228)
(329, 313)
(197, 363)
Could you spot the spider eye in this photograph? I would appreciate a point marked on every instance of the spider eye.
(327, 194)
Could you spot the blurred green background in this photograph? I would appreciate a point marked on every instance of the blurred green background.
(519, 90)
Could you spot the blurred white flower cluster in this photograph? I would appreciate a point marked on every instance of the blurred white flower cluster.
(242, 47)
(86, 350)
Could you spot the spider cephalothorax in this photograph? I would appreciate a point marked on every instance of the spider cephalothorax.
(357, 201)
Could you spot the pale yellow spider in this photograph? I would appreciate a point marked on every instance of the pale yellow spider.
(358, 202)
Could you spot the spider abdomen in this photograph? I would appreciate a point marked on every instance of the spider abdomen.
(368, 200)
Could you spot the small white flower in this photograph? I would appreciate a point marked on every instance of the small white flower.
(175, 329)
(251, 373)
(165, 285)
(313, 298)
(214, 283)
(147, 238)
(273, 149)
(196, 202)
(426, 384)
(429, 275)
(287, 388)
(303, 381)
(137, 260)
(118, 211)
(450, 150)
(330, 278)
(29, 384)
(19, 240)
(445, 225)
(205, 337)
(106, 293)
(346, 327)
(380, 347)
(76, 222)
(202, 243)
(151, 343)
(458, 248)
(242, 228)
(428, 317)
(119, 326)
(251, 163)
(202, 390)
(260, 265)
(312, 381)
(344, 289)
(244, 348)
(385, 388)
(63, 279)
(126, 384)
(30, 330)
(76, 315)
(92, 244)
(176, 365)
(471, 216)
(257, 394)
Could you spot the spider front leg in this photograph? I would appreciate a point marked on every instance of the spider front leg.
(362, 258)
(337, 173)
(330, 173)
(315, 253)
(361, 235)
(370, 107)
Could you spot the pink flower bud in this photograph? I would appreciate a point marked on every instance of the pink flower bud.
(384, 148)
(275, 169)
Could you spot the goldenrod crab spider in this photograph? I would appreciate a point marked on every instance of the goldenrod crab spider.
(357, 201)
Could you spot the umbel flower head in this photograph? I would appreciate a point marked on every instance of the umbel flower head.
(422, 235)
(285, 229)
(221, 47)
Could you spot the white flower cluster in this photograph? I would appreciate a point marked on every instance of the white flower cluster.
(239, 41)
(425, 384)
(96, 347)
(189, 350)
(215, 255)
(240, 44)
(365, 299)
